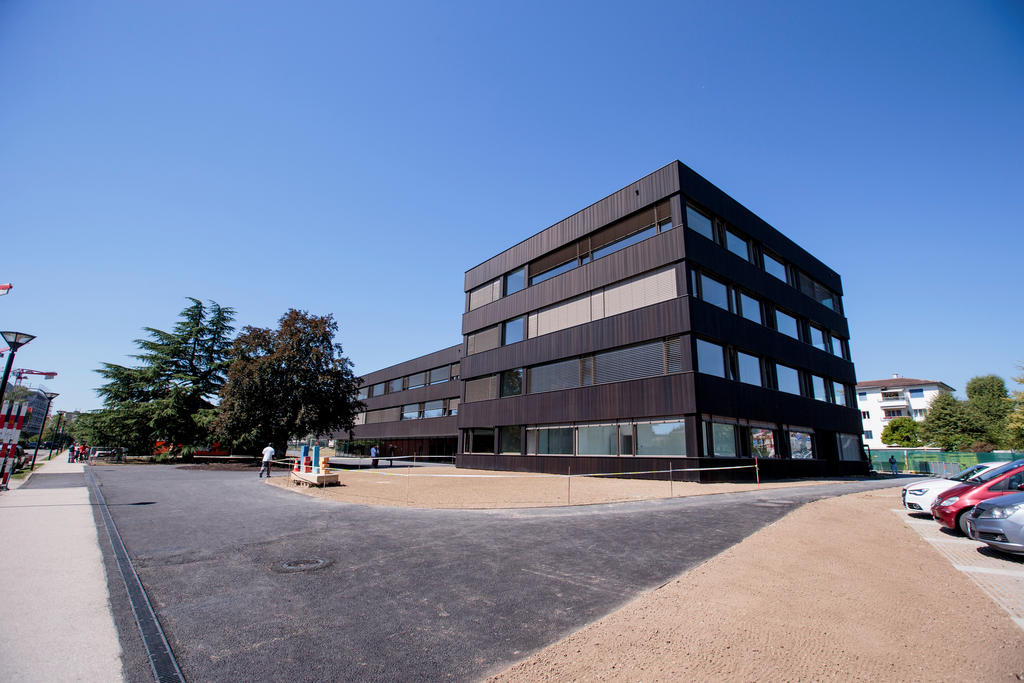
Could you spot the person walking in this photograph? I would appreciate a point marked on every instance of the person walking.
(268, 456)
(892, 464)
(373, 455)
(71, 452)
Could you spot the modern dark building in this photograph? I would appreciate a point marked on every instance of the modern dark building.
(665, 326)
(413, 405)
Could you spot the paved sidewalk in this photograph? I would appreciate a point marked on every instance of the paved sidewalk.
(55, 621)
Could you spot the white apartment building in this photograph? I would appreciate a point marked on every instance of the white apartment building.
(880, 400)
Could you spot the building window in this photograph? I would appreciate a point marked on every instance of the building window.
(865, 415)
(395, 385)
(801, 445)
(714, 292)
(456, 368)
(553, 272)
(737, 245)
(848, 446)
(750, 308)
(920, 413)
(891, 413)
(699, 223)
(438, 375)
(510, 440)
(554, 376)
(868, 434)
(364, 392)
(787, 325)
(598, 439)
(485, 294)
(862, 395)
(481, 441)
(839, 392)
(377, 389)
(482, 388)
(411, 411)
(433, 409)
(453, 406)
(721, 439)
(512, 382)
(818, 388)
(627, 241)
(552, 441)
(749, 368)
(762, 443)
(787, 379)
(819, 339)
(515, 281)
(514, 330)
(661, 438)
(710, 358)
(916, 393)
(417, 380)
(775, 267)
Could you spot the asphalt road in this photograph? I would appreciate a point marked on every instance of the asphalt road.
(254, 582)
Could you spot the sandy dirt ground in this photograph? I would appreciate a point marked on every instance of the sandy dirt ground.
(840, 589)
(423, 487)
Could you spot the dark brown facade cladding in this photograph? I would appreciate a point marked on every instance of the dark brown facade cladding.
(663, 327)
(412, 406)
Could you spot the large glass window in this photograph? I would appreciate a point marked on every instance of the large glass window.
(787, 325)
(819, 339)
(515, 281)
(411, 411)
(378, 389)
(750, 308)
(774, 266)
(801, 445)
(438, 375)
(737, 245)
(433, 409)
(554, 376)
(818, 387)
(723, 437)
(849, 446)
(598, 440)
(749, 368)
(699, 223)
(762, 443)
(555, 441)
(661, 438)
(481, 441)
(714, 292)
(511, 440)
(417, 380)
(625, 242)
(839, 393)
(787, 379)
(710, 358)
(364, 392)
(395, 385)
(515, 330)
(557, 270)
(512, 382)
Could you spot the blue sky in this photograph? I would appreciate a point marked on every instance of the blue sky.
(357, 159)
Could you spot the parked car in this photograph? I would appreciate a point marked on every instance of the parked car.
(952, 508)
(921, 494)
(999, 522)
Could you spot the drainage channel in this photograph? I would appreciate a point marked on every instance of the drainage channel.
(165, 667)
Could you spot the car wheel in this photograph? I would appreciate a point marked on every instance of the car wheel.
(961, 521)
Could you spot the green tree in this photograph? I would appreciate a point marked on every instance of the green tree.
(1015, 420)
(289, 382)
(988, 405)
(902, 431)
(946, 425)
(170, 395)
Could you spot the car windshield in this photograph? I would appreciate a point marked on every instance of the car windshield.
(968, 473)
(992, 474)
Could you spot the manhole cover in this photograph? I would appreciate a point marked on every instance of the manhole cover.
(305, 565)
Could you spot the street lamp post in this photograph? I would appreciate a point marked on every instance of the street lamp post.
(56, 432)
(15, 340)
(50, 395)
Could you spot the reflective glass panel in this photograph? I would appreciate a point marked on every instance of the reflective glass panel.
(597, 440)
(801, 445)
(515, 281)
(411, 411)
(395, 385)
(775, 267)
(551, 441)
(788, 379)
(699, 223)
(737, 245)
(818, 386)
(749, 368)
(762, 443)
(557, 270)
(515, 330)
(512, 382)
(725, 440)
(818, 339)
(625, 242)
(710, 360)
(714, 292)
(511, 440)
(751, 308)
(662, 438)
(433, 409)
(786, 324)
(839, 393)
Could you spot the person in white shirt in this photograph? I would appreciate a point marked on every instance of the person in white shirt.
(268, 455)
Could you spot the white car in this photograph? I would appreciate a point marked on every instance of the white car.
(920, 495)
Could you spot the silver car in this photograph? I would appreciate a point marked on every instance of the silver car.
(999, 522)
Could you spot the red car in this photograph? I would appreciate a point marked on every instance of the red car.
(952, 507)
